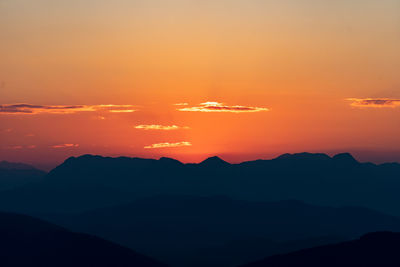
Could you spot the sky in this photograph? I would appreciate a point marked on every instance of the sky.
(242, 79)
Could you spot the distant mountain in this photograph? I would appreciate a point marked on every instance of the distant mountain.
(218, 231)
(18, 174)
(15, 166)
(25, 241)
(215, 213)
(214, 162)
(79, 183)
(375, 249)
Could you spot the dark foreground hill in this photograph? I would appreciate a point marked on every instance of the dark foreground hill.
(90, 182)
(18, 174)
(25, 241)
(380, 249)
(218, 231)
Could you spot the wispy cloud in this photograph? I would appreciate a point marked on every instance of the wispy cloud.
(221, 107)
(19, 147)
(181, 104)
(24, 109)
(166, 145)
(122, 110)
(15, 147)
(65, 146)
(374, 102)
(160, 127)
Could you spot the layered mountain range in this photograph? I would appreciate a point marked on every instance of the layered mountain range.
(89, 182)
(212, 213)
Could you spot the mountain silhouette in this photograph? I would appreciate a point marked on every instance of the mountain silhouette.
(18, 174)
(15, 166)
(213, 213)
(305, 157)
(345, 158)
(90, 182)
(213, 162)
(170, 162)
(26, 241)
(218, 231)
(374, 249)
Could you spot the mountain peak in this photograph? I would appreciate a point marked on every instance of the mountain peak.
(345, 158)
(170, 160)
(214, 162)
(304, 156)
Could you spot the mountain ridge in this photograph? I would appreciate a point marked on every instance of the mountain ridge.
(189, 230)
(13, 175)
(27, 241)
(314, 178)
(372, 249)
(16, 166)
(286, 156)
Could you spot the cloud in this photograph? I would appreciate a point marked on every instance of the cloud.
(62, 109)
(160, 127)
(122, 110)
(16, 147)
(19, 147)
(181, 104)
(221, 107)
(65, 146)
(374, 102)
(166, 145)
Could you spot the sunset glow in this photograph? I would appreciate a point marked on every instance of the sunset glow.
(240, 79)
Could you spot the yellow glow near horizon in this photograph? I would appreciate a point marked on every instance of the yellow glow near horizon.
(251, 78)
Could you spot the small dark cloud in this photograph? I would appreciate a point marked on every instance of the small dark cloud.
(62, 109)
(374, 102)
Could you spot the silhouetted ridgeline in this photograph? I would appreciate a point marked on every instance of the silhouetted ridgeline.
(18, 174)
(5, 165)
(217, 231)
(89, 182)
(375, 249)
(207, 214)
(25, 241)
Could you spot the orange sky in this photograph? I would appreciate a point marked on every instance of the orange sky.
(306, 75)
